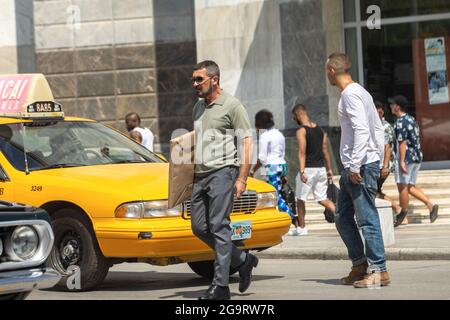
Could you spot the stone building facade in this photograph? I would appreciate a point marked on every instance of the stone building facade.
(104, 58)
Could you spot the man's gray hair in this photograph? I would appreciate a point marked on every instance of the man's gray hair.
(212, 69)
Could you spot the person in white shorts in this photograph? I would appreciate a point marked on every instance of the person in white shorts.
(317, 182)
(315, 167)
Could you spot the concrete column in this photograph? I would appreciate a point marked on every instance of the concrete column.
(333, 25)
(8, 38)
(244, 38)
(26, 57)
(17, 54)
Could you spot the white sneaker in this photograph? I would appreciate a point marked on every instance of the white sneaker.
(302, 231)
(293, 232)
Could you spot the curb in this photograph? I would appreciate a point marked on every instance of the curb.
(341, 253)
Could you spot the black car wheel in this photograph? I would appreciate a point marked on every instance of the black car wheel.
(76, 246)
(205, 269)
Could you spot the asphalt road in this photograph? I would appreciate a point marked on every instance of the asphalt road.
(273, 279)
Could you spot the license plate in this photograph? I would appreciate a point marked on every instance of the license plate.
(241, 230)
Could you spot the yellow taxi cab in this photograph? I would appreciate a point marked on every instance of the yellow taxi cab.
(105, 193)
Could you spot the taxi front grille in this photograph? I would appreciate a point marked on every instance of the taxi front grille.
(245, 204)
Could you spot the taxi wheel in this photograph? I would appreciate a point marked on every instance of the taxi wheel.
(205, 269)
(76, 246)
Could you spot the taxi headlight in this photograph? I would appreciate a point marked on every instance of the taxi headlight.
(266, 200)
(130, 210)
(147, 209)
(24, 242)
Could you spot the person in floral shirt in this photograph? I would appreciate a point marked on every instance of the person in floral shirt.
(409, 159)
(389, 156)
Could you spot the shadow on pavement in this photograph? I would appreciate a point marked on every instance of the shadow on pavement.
(233, 280)
(117, 281)
(198, 293)
(336, 282)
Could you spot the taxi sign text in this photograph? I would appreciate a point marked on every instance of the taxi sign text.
(13, 92)
(44, 106)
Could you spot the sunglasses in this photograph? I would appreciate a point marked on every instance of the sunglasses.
(199, 80)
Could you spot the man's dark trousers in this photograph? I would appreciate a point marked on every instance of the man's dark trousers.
(211, 205)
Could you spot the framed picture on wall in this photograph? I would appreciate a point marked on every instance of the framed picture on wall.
(436, 66)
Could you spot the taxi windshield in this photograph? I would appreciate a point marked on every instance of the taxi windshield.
(58, 144)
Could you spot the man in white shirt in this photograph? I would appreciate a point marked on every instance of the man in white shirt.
(142, 135)
(361, 150)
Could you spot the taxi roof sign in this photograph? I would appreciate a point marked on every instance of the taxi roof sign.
(27, 96)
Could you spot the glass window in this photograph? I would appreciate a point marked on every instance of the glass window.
(68, 144)
(401, 8)
(349, 11)
(388, 60)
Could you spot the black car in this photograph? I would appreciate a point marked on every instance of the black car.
(26, 240)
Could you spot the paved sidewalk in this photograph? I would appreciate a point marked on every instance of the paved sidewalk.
(412, 242)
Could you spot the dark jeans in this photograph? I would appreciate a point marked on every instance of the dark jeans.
(358, 200)
(211, 205)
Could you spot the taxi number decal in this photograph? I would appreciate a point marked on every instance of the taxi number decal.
(36, 188)
(2, 191)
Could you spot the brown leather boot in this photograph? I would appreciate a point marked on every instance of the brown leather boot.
(358, 272)
(373, 280)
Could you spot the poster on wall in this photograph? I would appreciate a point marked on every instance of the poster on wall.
(436, 70)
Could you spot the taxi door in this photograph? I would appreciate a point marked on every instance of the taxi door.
(15, 184)
(6, 187)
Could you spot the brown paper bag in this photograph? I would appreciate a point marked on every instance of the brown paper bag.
(181, 169)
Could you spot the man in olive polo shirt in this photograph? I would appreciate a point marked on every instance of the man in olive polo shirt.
(219, 119)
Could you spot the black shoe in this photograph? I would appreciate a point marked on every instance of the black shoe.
(434, 213)
(245, 272)
(400, 217)
(216, 293)
(210, 289)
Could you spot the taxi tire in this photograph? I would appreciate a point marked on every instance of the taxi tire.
(94, 266)
(205, 269)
